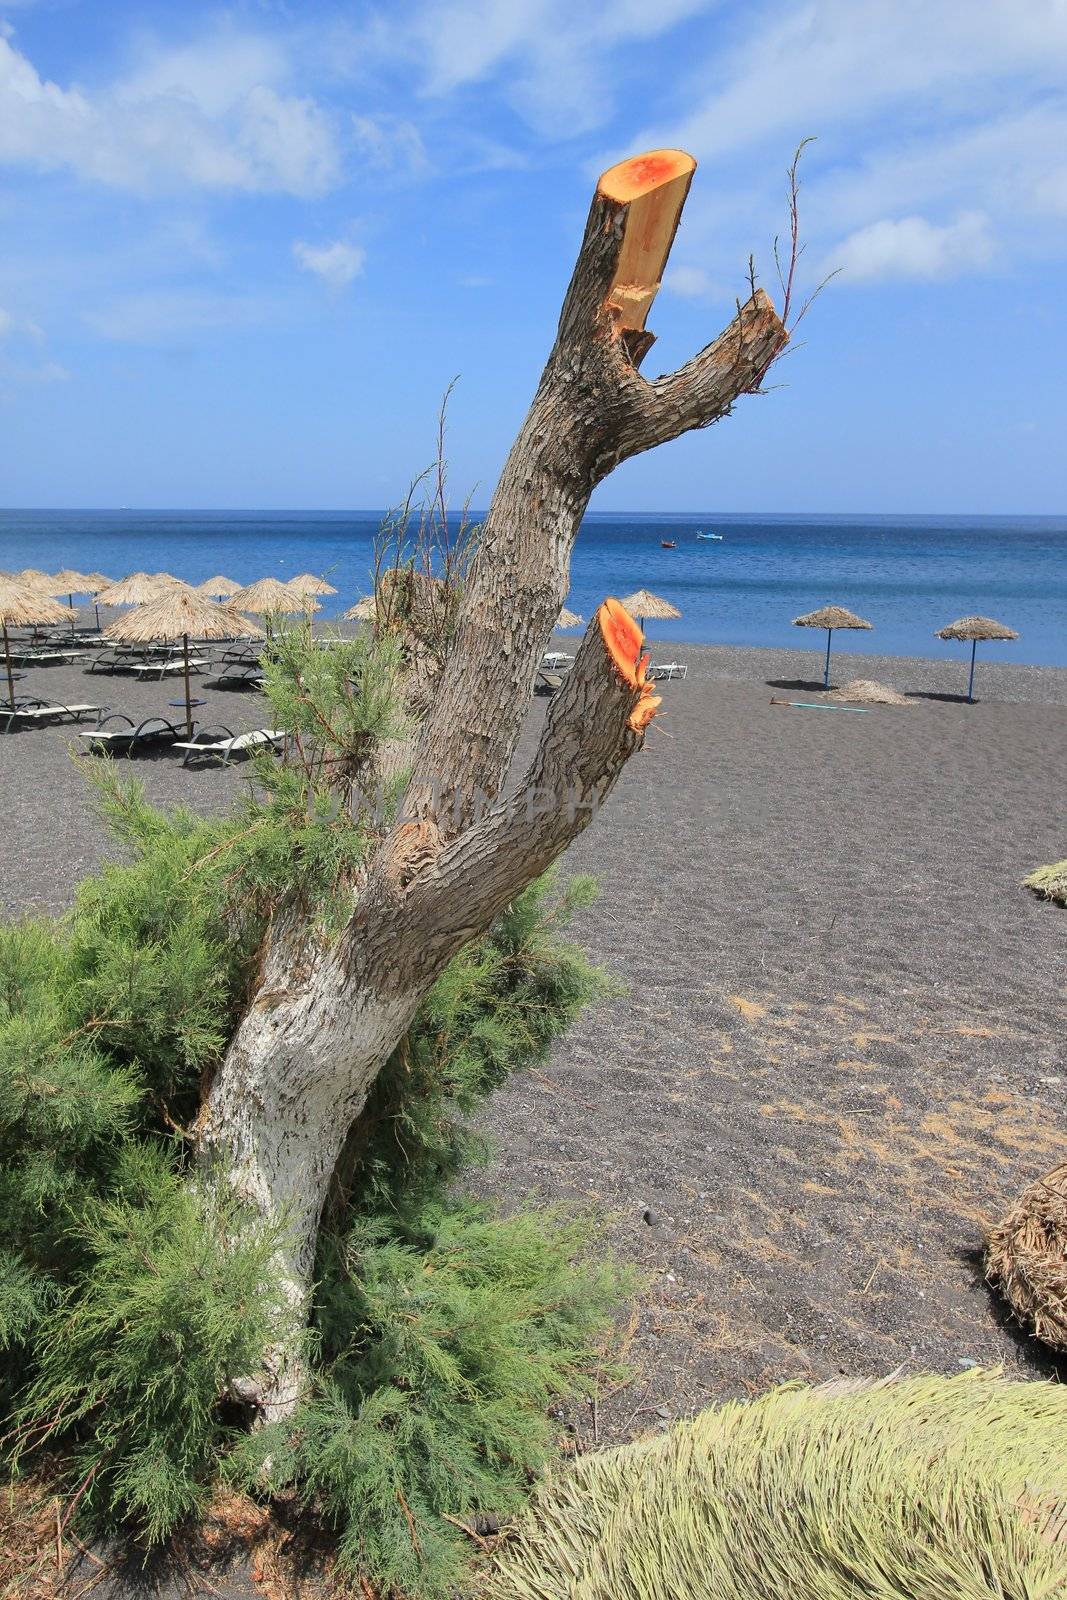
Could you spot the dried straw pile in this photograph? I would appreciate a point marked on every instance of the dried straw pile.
(866, 692)
(1049, 882)
(1026, 1258)
(918, 1489)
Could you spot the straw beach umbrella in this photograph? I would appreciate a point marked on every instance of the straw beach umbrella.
(364, 610)
(568, 619)
(270, 598)
(644, 605)
(218, 588)
(97, 581)
(975, 628)
(135, 589)
(307, 583)
(32, 576)
(70, 583)
(830, 617)
(20, 606)
(175, 614)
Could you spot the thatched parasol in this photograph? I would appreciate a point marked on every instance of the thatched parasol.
(269, 598)
(866, 692)
(1026, 1258)
(218, 588)
(33, 576)
(307, 583)
(175, 614)
(568, 619)
(643, 604)
(97, 581)
(973, 629)
(830, 617)
(70, 583)
(21, 605)
(364, 610)
(135, 589)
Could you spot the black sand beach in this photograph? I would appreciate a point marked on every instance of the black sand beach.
(843, 1042)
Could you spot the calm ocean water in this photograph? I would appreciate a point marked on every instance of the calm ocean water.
(906, 575)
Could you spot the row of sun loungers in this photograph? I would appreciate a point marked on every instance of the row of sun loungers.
(115, 732)
(218, 743)
(555, 666)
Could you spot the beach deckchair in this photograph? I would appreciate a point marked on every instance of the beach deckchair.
(210, 747)
(37, 713)
(44, 658)
(153, 730)
(547, 682)
(667, 670)
(165, 665)
(109, 660)
(240, 675)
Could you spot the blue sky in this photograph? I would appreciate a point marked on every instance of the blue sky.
(244, 249)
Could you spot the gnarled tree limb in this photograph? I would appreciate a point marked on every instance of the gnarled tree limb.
(326, 1017)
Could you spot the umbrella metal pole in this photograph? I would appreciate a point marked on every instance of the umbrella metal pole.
(970, 680)
(826, 668)
(70, 602)
(10, 678)
(188, 692)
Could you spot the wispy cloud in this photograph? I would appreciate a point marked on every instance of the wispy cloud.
(170, 316)
(217, 114)
(337, 264)
(912, 247)
(929, 114)
(555, 63)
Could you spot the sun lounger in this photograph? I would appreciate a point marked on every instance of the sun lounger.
(668, 670)
(126, 735)
(31, 713)
(209, 746)
(44, 658)
(243, 675)
(196, 664)
(547, 682)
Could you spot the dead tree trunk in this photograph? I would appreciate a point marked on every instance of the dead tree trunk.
(324, 1020)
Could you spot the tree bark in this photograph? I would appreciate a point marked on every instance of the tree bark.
(324, 1019)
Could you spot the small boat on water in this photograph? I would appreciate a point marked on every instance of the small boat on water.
(669, 544)
(718, 537)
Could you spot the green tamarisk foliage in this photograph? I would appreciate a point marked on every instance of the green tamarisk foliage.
(132, 1300)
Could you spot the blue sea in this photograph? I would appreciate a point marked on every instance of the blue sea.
(906, 575)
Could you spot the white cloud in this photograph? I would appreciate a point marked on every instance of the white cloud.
(389, 142)
(169, 316)
(336, 264)
(822, 63)
(925, 110)
(214, 115)
(692, 282)
(912, 247)
(550, 56)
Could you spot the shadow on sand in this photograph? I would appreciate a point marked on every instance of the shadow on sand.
(805, 685)
(937, 694)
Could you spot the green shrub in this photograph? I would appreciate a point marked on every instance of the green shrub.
(131, 1302)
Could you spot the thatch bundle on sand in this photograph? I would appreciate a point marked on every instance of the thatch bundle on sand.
(904, 1488)
(866, 692)
(1049, 882)
(1026, 1258)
